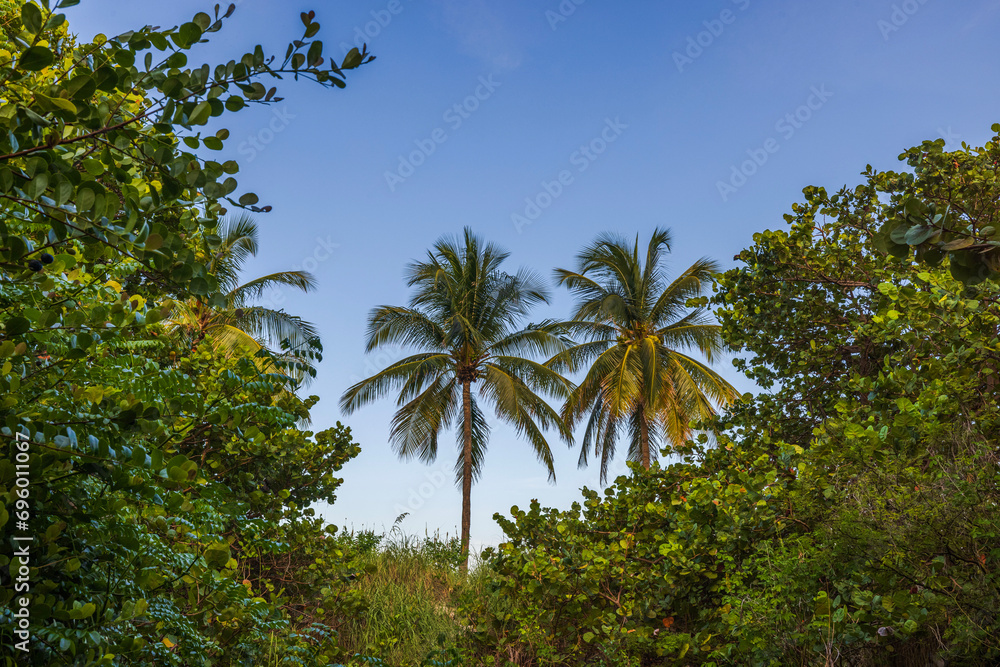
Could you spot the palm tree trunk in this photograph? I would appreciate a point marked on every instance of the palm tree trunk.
(643, 438)
(466, 471)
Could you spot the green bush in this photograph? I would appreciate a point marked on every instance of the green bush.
(847, 514)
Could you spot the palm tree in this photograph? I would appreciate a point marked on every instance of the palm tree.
(290, 343)
(634, 327)
(465, 317)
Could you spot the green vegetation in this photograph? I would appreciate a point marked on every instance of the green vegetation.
(239, 326)
(153, 448)
(410, 587)
(164, 482)
(848, 514)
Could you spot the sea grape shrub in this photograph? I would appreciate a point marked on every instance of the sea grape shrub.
(845, 512)
(158, 471)
(641, 570)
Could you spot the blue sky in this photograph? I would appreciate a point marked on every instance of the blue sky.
(708, 118)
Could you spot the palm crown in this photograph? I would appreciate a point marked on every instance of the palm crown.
(634, 327)
(241, 325)
(465, 315)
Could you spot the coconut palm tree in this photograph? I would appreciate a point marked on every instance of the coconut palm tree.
(465, 318)
(240, 326)
(633, 329)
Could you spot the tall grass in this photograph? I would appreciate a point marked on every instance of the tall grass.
(410, 585)
(412, 591)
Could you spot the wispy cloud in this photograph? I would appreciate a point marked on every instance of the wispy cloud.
(981, 16)
(482, 31)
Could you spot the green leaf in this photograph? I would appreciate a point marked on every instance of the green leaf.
(202, 20)
(352, 59)
(106, 78)
(17, 326)
(822, 607)
(85, 198)
(84, 340)
(124, 57)
(248, 199)
(958, 244)
(81, 86)
(315, 53)
(898, 235)
(172, 87)
(31, 18)
(202, 112)
(7, 179)
(82, 612)
(54, 103)
(36, 186)
(218, 554)
(36, 58)
(919, 233)
(187, 35)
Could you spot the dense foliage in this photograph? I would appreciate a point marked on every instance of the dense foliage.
(156, 480)
(154, 490)
(847, 514)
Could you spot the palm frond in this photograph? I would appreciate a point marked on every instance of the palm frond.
(394, 325)
(546, 339)
(274, 326)
(416, 425)
(240, 242)
(254, 289)
(411, 375)
(692, 283)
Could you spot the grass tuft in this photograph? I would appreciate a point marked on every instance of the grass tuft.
(410, 586)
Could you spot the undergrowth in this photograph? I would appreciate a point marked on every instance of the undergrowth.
(411, 587)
